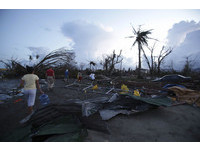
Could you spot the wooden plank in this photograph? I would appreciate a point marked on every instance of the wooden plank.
(88, 87)
(110, 90)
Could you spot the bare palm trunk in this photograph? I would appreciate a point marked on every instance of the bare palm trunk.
(139, 64)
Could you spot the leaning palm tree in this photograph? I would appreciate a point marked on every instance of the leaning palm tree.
(141, 38)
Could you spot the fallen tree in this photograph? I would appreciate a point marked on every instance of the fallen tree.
(58, 59)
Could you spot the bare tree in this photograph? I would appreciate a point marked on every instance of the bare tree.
(105, 62)
(153, 64)
(190, 61)
(114, 59)
(13, 67)
(110, 61)
(164, 52)
(150, 62)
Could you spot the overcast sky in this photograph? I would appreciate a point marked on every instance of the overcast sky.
(92, 33)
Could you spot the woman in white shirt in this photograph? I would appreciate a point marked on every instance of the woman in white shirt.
(29, 82)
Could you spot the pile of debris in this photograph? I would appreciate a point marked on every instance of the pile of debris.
(12, 93)
(69, 120)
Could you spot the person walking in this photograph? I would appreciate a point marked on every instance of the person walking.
(66, 75)
(29, 81)
(50, 75)
(92, 76)
(79, 76)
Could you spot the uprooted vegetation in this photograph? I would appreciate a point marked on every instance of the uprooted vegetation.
(58, 59)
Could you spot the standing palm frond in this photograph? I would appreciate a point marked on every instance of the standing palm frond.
(141, 38)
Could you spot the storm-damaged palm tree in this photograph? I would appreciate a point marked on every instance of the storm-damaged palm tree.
(37, 56)
(61, 58)
(92, 63)
(30, 58)
(141, 38)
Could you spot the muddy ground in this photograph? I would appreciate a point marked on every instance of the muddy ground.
(179, 123)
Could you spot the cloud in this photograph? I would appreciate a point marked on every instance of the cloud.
(47, 29)
(186, 35)
(88, 38)
(128, 62)
(179, 31)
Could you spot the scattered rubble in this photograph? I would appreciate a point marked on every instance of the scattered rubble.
(69, 120)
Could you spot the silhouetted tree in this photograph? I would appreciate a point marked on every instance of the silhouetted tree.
(141, 38)
(187, 67)
(150, 62)
(37, 56)
(110, 61)
(153, 64)
(60, 58)
(14, 68)
(92, 63)
(164, 52)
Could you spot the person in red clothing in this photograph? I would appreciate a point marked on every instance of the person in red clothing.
(50, 78)
(79, 76)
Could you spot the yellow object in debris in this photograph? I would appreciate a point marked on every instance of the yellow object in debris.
(172, 98)
(124, 88)
(136, 93)
(95, 87)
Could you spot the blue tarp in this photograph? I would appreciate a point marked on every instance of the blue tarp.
(171, 85)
